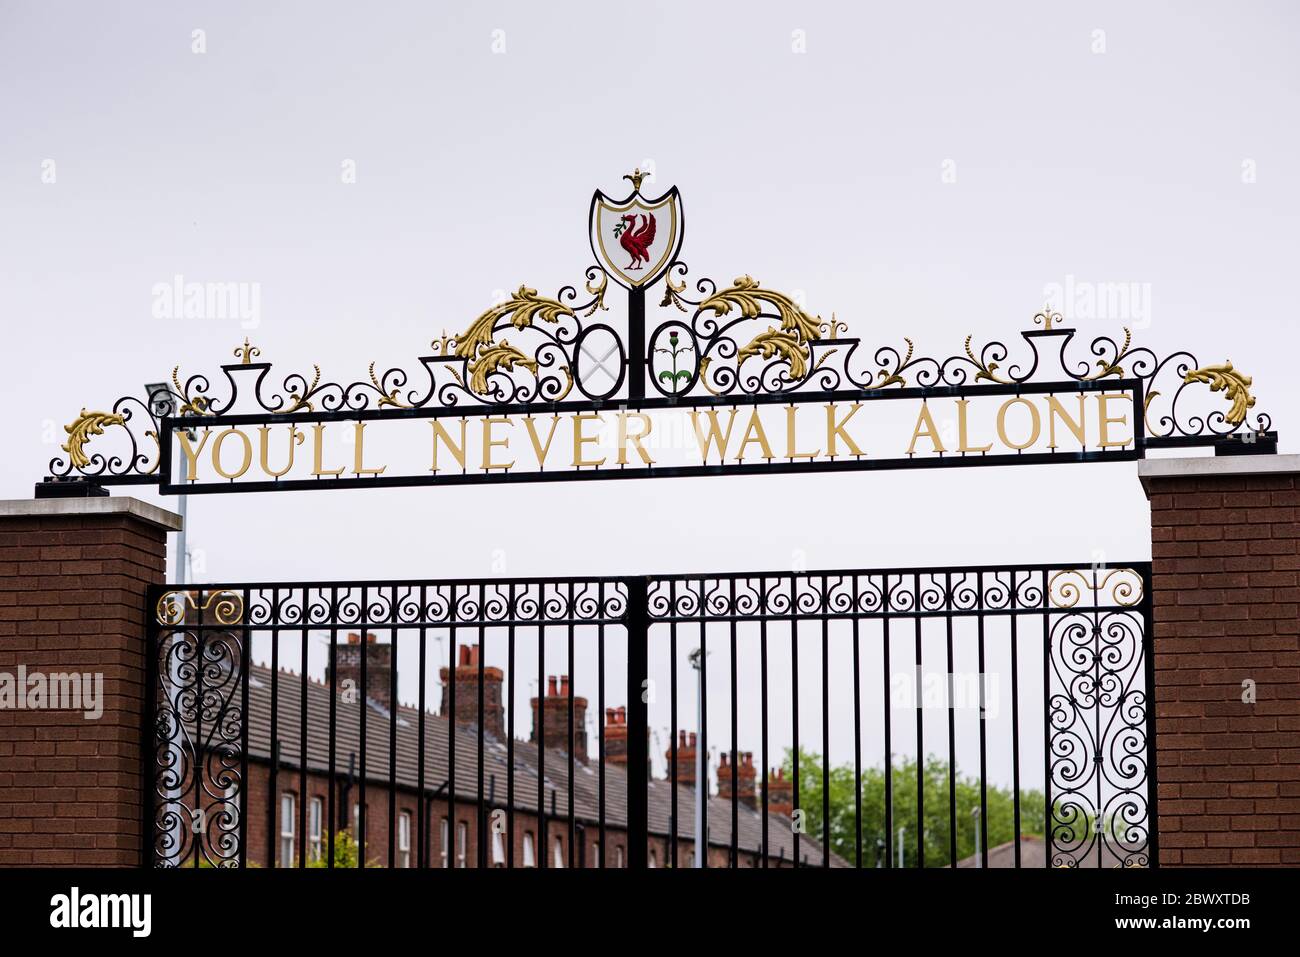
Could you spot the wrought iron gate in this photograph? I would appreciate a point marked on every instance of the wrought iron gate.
(293, 723)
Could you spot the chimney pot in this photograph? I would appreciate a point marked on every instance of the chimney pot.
(550, 685)
(564, 686)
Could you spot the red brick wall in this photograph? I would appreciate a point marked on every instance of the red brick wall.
(1225, 566)
(72, 599)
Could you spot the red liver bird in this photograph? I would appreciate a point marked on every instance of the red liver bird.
(637, 239)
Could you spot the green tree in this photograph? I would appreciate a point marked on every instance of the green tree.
(346, 852)
(935, 781)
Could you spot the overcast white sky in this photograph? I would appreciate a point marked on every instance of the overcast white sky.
(810, 142)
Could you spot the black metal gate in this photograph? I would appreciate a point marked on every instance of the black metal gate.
(960, 716)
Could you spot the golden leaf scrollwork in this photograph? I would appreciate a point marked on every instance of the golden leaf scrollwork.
(80, 431)
(198, 405)
(894, 376)
(791, 342)
(500, 355)
(984, 371)
(226, 607)
(673, 292)
(598, 290)
(746, 295)
(521, 309)
(1109, 367)
(1235, 387)
(386, 398)
(778, 342)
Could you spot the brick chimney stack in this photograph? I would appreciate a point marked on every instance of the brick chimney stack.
(780, 793)
(379, 668)
(555, 718)
(685, 759)
(745, 779)
(468, 669)
(616, 735)
(615, 732)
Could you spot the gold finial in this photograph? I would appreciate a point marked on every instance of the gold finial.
(1046, 317)
(834, 327)
(246, 352)
(443, 345)
(636, 176)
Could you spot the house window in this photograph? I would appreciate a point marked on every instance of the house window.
(404, 840)
(444, 837)
(462, 835)
(356, 821)
(653, 861)
(559, 853)
(315, 818)
(286, 829)
(595, 853)
(498, 849)
(530, 850)
(618, 856)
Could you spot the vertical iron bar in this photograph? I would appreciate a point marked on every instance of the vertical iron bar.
(763, 843)
(794, 702)
(571, 745)
(638, 621)
(1015, 716)
(422, 858)
(826, 725)
(857, 735)
(392, 732)
(1047, 726)
(636, 344)
(984, 769)
(245, 659)
(920, 729)
(510, 731)
(273, 792)
(363, 702)
(735, 743)
(600, 717)
(302, 745)
(539, 731)
(673, 815)
(1149, 673)
(952, 725)
(482, 829)
(331, 820)
(889, 747)
(449, 692)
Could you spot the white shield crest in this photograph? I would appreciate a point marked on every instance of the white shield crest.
(635, 240)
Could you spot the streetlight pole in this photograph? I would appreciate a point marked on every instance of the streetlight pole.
(696, 658)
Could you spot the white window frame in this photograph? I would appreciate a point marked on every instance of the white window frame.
(559, 852)
(530, 850)
(445, 842)
(315, 819)
(618, 856)
(288, 803)
(404, 839)
(498, 849)
(462, 839)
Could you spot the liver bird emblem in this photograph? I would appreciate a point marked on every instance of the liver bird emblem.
(636, 238)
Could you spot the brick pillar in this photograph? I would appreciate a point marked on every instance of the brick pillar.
(1225, 560)
(73, 574)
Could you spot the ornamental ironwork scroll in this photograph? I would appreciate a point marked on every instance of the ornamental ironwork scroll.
(716, 346)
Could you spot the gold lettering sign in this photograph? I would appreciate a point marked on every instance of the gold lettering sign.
(663, 439)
